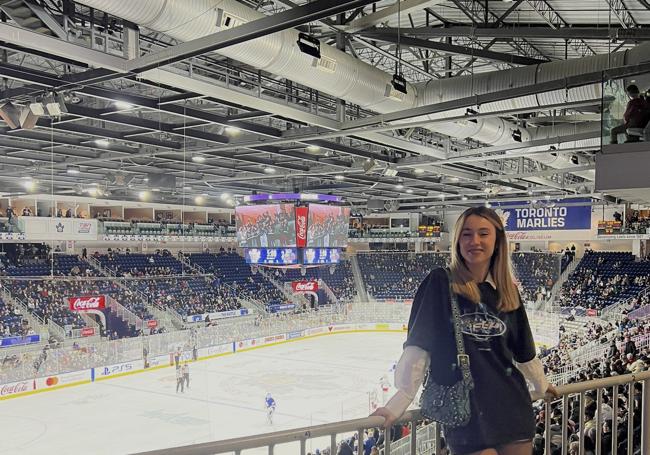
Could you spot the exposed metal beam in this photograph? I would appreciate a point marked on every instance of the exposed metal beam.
(404, 7)
(622, 13)
(452, 48)
(545, 173)
(526, 31)
(290, 18)
(504, 16)
(554, 20)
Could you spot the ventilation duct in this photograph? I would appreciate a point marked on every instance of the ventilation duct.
(360, 83)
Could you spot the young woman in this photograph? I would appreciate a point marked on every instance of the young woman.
(496, 335)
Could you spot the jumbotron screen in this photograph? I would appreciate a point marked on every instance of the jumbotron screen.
(328, 226)
(314, 256)
(266, 226)
(271, 256)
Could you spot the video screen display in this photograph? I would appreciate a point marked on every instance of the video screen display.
(266, 226)
(328, 226)
(321, 256)
(271, 256)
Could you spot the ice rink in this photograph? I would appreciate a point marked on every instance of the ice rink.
(314, 381)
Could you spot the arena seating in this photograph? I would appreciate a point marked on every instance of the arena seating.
(190, 296)
(397, 275)
(136, 264)
(604, 278)
(341, 282)
(11, 322)
(58, 265)
(231, 268)
(536, 273)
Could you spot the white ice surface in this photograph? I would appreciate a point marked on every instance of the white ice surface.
(314, 381)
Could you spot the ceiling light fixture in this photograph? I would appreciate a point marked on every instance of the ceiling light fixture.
(198, 159)
(399, 186)
(309, 45)
(339, 177)
(72, 169)
(123, 105)
(313, 148)
(102, 142)
(269, 170)
(232, 130)
(409, 191)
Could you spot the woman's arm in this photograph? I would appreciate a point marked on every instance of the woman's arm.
(409, 375)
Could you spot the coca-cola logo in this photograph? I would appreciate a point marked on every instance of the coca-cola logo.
(301, 222)
(86, 303)
(18, 387)
(305, 286)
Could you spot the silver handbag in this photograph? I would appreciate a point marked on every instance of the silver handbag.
(450, 404)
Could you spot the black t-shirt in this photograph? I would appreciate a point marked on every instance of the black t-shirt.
(501, 404)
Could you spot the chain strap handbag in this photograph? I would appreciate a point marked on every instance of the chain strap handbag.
(450, 405)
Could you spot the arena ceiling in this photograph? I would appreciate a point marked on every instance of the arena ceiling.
(144, 105)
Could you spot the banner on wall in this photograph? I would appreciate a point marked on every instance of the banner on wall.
(521, 216)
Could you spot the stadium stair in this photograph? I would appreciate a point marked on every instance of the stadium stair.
(358, 279)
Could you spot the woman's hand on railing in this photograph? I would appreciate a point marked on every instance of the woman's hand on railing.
(551, 393)
(389, 417)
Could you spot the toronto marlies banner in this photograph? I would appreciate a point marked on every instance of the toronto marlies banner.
(546, 216)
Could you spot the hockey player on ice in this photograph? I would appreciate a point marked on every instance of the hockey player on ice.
(270, 407)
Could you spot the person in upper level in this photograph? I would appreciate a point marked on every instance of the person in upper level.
(497, 338)
(637, 114)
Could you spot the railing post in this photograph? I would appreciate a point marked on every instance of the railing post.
(645, 417)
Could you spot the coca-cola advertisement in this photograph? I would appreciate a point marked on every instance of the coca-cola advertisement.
(16, 387)
(87, 331)
(301, 226)
(304, 286)
(96, 302)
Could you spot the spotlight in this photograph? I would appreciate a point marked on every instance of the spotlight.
(29, 185)
(10, 114)
(199, 200)
(123, 105)
(37, 108)
(313, 148)
(55, 104)
(269, 170)
(224, 196)
(309, 45)
(418, 171)
(144, 195)
(399, 186)
(339, 177)
(409, 190)
(102, 142)
(232, 130)
(399, 83)
(198, 159)
(464, 198)
(72, 169)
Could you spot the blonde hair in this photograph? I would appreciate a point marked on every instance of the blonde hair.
(500, 267)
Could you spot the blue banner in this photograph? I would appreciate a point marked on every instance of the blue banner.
(277, 308)
(546, 216)
(14, 341)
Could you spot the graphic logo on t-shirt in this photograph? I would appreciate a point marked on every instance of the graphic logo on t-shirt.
(482, 325)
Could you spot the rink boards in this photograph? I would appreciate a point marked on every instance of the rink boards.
(59, 381)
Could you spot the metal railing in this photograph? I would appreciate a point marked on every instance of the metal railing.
(634, 434)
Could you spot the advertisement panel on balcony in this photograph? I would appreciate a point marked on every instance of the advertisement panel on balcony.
(16, 341)
(95, 302)
(304, 286)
